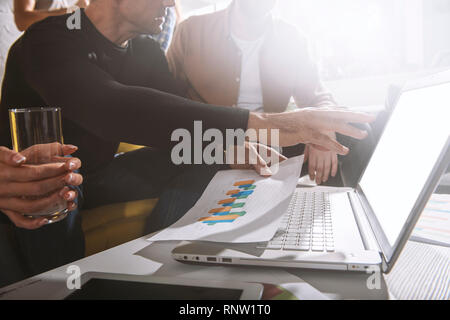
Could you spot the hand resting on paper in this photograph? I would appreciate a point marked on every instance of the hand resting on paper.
(254, 156)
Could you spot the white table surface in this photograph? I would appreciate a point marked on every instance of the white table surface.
(421, 272)
(140, 257)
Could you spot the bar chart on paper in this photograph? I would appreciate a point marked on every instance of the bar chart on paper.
(238, 206)
(434, 224)
(231, 207)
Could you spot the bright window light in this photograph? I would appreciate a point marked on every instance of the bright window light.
(355, 38)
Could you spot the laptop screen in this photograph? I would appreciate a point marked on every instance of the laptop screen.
(405, 156)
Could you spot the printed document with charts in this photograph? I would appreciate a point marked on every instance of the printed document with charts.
(433, 226)
(238, 206)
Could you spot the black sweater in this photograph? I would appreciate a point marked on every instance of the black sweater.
(108, 94)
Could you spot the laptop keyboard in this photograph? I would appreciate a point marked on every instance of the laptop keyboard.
(306, 226)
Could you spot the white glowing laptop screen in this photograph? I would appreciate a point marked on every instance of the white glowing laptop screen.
(406, 154)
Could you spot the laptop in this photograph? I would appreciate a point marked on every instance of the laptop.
(355, 229)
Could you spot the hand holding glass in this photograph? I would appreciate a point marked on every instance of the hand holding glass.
(37, 134)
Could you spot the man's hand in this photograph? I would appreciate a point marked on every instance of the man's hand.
(320, 163)
(27, 188)
(312, 126)
(254, 156)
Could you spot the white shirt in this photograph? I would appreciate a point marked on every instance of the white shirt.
(250, 93)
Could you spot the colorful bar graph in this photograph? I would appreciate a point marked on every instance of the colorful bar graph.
(244, 183)
(242, 193)
(224, 214)
(242, 213)
(220, 210)
(218, 218)
(227, 201)
(221, 221)
(224, 217)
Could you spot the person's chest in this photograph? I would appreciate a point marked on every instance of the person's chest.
(126, 67)
(216, 68)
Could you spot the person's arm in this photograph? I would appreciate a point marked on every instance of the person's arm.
(25, 14)
(63, 75)
(312, 126)
(150, 53)
(27, 188)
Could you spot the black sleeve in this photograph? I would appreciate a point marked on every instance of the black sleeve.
(147, 53)
(4, 138)
(60, 71)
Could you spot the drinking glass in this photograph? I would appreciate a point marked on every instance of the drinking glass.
(37, 134)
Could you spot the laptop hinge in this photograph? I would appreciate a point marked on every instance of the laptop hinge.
(365, 230)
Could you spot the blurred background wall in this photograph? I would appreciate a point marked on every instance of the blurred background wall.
(364, 46)
(8, 31)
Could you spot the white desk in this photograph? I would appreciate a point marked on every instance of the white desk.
(421, 272)
(143, 258)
